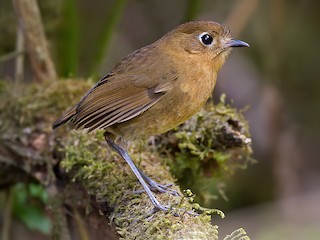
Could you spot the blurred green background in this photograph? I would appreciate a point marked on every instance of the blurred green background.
(278, 77)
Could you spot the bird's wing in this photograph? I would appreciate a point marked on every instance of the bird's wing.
(118, 98)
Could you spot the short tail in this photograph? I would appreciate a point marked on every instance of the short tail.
(65, 117)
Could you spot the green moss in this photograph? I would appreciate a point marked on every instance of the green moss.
(105, 176)
(26, 137)
(208, 148)
(36, 105)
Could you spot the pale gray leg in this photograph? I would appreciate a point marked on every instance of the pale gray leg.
(124, 154)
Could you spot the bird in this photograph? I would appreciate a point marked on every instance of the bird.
(154, 89)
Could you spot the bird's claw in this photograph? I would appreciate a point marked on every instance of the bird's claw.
(156, 187)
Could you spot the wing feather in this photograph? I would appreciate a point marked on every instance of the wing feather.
(104, 106)
(108, 111)
(120, 117)
(124, 93)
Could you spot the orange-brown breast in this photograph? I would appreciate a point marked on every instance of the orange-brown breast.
(190, 92)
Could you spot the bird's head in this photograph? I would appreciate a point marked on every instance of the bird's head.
(206, 40)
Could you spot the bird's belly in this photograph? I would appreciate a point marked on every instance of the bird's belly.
(170, 111)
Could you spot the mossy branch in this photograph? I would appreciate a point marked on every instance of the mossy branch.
(106, 177)
(72, 161)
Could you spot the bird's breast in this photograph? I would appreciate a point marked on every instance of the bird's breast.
(187, 97)
(193, 93)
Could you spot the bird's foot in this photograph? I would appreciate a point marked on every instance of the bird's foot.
(157, 187)
(163, 188)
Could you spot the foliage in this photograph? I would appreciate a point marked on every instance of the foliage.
(35, 197)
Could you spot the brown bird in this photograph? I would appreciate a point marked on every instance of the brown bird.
(154, 89)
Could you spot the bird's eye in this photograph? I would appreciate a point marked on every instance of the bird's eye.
(205, 39)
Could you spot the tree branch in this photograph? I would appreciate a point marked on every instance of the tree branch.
(80, 171)
(29, 19)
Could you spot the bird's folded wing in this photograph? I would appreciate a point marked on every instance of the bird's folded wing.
(116, 101)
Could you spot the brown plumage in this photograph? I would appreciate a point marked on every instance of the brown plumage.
(157, 87)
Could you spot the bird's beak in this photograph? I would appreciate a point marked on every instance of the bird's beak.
(236, 43)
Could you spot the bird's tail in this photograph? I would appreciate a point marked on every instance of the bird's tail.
(65, 117)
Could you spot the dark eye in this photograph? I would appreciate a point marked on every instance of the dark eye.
(205, 39)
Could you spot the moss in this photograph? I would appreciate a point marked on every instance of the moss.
(211, 145)
(105, 176)
(23, 106)
(26, 114)
(208, 148)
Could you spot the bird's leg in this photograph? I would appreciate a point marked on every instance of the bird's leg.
(158, 187)
(124, 154)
